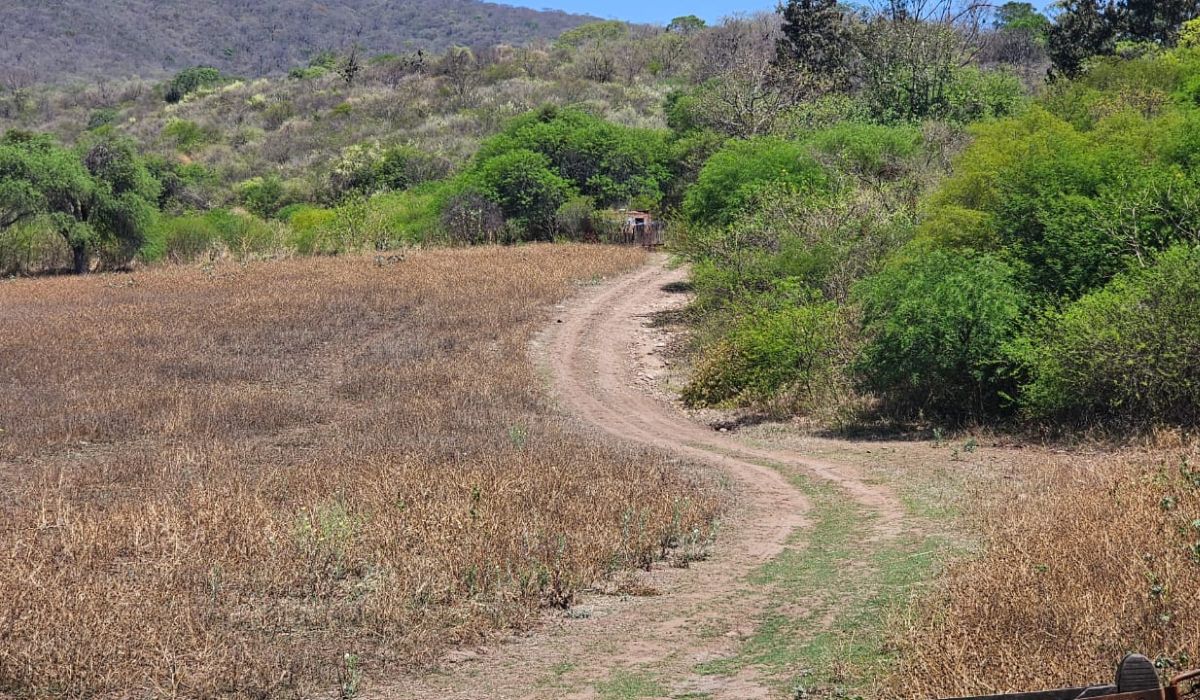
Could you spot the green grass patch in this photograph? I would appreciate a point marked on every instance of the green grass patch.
(832, 577)
(624, 684)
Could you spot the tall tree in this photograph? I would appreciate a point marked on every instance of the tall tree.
(1156, 20)
(1086, 28)
(816, 40)
(1083, 28)
(1020, 16)
(686, 25)
(99, 201)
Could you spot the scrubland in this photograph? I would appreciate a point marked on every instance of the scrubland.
(292, 477)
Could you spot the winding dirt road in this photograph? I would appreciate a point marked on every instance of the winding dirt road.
(603, 357)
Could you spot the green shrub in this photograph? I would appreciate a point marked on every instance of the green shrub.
(31, 248)
(262, 196)
(368, 168)
(187, 136)
(613, 164)
(576, 219)
(1129, 351)
(181, 239)
(790, 353)
(937, 326)
(190, 80)
(376, 223)
(193, 236)
(975, 94)
(734, 175)
(870, 152)
(526, 189)
(102, 117)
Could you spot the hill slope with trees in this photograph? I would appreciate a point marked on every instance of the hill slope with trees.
(64, 39)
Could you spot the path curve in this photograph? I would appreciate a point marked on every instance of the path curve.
(603, 358)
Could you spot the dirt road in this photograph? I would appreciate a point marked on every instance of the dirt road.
(603, 358)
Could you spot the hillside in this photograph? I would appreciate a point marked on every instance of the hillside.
(56, 40)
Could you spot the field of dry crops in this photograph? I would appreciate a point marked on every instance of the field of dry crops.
(272, 479)
(1089, 559)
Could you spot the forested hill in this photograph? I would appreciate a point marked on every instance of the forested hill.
(57, 40)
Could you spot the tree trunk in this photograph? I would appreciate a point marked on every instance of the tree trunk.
(80, 255)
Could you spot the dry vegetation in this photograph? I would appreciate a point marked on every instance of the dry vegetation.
(1088, 561)
(264, 480)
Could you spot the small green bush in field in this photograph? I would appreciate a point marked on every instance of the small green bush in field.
(1130, 350)
(937, 325)
(380, 222)
(186, 135)
(770, 353)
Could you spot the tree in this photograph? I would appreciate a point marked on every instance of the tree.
(459, 67)
(616, 165)
(816, 39)
(686, 25)
(913, 55)
(743, 91)
(1156, 20)
(99, 201)
(1086, 28)
(350, 67)
(1018, 39)
(1020, 16)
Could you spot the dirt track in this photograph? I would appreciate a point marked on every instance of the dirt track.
(603, 358)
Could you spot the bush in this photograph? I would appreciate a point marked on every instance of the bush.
(976, 94)
(526, 189)
(731, 179)
(32, 247)
(103, 117)
(262, 196)
(1129, 351)
(471, 218)
(791, 352)
(194, 236)
(187, 136)
(937, 326)
(190, 80)
(870, 152)
(368, 168)
(615, 165)
(576, 220)
(382, 222)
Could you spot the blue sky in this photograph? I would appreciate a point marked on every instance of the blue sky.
(658, 11)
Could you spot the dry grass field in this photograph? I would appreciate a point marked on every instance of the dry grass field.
(1083, 561)
(281, 478)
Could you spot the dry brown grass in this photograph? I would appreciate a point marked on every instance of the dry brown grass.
(1086, 562)
(221, 481)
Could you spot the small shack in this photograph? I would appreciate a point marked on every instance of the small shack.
(641, 228)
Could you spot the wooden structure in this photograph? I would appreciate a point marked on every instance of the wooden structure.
(639, 228)
(1137, 679)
